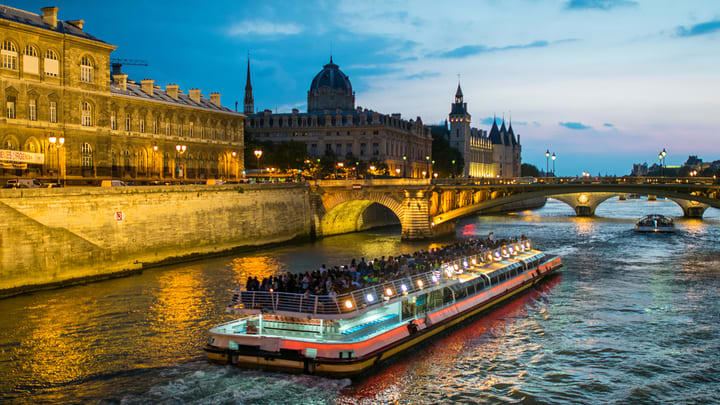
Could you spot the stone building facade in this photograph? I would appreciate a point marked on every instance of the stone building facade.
(333, 125)
(56, 84)
(497, 154)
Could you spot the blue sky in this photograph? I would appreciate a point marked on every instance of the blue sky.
(602, 83)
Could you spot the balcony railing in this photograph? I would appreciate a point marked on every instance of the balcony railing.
(368, 297)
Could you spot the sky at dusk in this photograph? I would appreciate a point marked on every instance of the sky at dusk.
(601, 83)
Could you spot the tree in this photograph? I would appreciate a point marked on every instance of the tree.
(528, 170)
(443, 154)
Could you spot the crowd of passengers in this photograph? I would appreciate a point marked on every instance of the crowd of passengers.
(360, 274)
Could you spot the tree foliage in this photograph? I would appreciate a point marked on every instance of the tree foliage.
(528, 170)
(443, 154)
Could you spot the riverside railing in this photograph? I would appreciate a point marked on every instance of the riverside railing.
(371, 296)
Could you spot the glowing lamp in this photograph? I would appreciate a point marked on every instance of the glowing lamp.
(435, 279)
(403, 287)
(388, 292)
(369, 298)
(465, 263)
(348, 304)
(420, 283)
(474, 261)
(456, 267)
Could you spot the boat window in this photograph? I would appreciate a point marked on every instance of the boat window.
(448, 297)
(408, 309)
(470, 289)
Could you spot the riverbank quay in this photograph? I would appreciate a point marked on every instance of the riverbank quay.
(57, 237)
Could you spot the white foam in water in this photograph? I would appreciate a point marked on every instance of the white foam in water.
(232, 385)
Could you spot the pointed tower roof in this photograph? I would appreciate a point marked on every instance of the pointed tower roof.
(494, 136)
(458, 107)
(512, 135)
(458, 93)
(248, 85)
(504, 133)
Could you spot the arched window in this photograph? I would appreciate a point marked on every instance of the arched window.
(9, 55)
(32, 109)
(51, 64)
(86, 69)
(86, 156)
(86, 114)
(10, 107)
(10, 144)
(31, 62)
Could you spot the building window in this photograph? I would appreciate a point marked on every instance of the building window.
(348, 148)
(190, 129)
(142, 125)
(53, 111)
(9, 145)
(86, 69)
(156, 124)
(362, 149)
(313, 149)
(113, 120)
(87, 156)
(86, 114)
(167, 128)
(31, 61)
(32, 109)
(51, 65)
(338, 149)
(127, 122)
(9, 55)
(179, 130)
(376, 149)
(10, 108)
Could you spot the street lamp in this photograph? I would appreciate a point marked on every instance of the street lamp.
(553, 159)
(397, 171)
(258, 155)
(372, 169)
(424, 173)
(404, 164)
(427, 161)
(547, 162)
(152, 172)
(58, 143)
(453, 169)
(435, 175)
(180, 150)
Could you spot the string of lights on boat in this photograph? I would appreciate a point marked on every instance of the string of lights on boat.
(249, 302)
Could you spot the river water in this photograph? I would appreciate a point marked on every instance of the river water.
(630, 319)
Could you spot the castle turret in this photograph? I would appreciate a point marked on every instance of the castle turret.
(460, 127)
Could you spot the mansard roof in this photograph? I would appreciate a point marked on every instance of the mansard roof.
(321, 117)
(183, 100)
(36, 20)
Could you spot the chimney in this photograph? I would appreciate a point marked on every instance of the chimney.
(121, 80)
(76, 23)
(50, 16)
(172, 90)
(148, 85)
(215, 98)
(194, 95)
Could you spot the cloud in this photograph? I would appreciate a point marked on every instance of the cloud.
(421, 75)
(578, 126)
(259, 27)
(598, 4)
(470, 50)
(609, 125)
(487, 121)
(698, 29)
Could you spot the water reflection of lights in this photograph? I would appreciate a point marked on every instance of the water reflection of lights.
(254, 266)
(585, 226)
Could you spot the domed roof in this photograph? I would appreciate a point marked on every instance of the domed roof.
(331, 76)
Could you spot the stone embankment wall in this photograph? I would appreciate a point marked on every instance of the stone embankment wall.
(58, 236)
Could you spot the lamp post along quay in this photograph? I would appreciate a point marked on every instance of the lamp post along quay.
(57, 143)
(258, 154)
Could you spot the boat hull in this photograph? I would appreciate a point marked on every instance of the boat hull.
(292, 361)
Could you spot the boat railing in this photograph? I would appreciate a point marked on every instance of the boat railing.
(371, 296)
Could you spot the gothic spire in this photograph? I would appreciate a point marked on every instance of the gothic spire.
(249, 103)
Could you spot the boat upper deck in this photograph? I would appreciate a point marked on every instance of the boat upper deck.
(489, 264)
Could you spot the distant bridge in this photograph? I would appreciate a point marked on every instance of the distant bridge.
(424, 208)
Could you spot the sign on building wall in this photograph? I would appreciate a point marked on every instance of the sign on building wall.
(21, 157)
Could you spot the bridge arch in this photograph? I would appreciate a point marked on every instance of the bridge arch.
(352, 211)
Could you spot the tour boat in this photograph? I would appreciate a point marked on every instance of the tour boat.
(655, 223)
(344, 335)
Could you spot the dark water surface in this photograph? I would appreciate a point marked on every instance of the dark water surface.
(629, 319)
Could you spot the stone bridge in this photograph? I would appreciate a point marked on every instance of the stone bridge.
(424, 208)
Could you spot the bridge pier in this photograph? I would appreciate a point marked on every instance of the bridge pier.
(415, 221)
(691, 209)
(584, 204)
